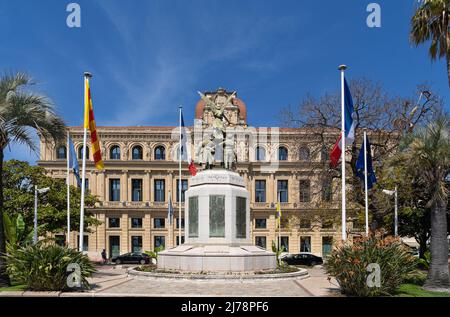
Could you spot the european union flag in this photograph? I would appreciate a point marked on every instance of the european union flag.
(73, 162)
(371, 179)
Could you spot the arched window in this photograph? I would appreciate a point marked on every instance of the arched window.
(114, 153)
(61, 153)
(160, 153)
(303, 154)
(324, 155)
(282, 153)
(260, 153)
(80, 153)
(136, 153)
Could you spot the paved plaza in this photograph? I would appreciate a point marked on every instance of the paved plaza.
(114, 281)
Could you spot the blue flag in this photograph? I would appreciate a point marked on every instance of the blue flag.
(371, 179)
(73, 162)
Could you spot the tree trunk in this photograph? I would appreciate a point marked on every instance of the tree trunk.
(438, 275)
(4, 278)
(422, 246)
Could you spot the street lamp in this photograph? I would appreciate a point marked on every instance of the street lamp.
(390, 193)
(36, 192)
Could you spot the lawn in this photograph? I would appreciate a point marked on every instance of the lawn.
(412, 290)
(14, 288)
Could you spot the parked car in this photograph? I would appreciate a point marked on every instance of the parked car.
(132, 257)
(303, 258)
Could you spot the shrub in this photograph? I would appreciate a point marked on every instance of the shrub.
(44, 267)
(348, 264)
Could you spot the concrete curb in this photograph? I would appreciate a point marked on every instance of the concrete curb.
(301, 274)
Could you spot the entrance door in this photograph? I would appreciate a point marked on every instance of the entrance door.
(114, 246)
(327, 245)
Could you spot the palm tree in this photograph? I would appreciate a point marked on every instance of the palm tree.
(431, 22)
(22, 112)
(428, 151)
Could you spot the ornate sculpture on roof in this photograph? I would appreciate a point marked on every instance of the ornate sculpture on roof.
(216, 149)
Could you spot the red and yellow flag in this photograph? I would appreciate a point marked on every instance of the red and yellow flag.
(89, 123)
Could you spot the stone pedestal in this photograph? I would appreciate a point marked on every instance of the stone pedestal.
(217, 226)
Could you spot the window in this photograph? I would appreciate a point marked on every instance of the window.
(305, 244)
(285, 243)
(80, 153)
(241, 218)
(261, 242)
(136, 153)
(178, 240)
(114, 153)
(160, 241)
(283, 191)
(282, 153)
(305, 224)
(184, 187)
(303, 154)
(160, 153)
(136, 244)
(193, 217)
(326, 190)
(136, 223)
(160, 190)
(159, 223)
(61, 153)
(60, 240)
(327, 245)
(260, 153)
(114, 222)
(85, 243)
(305, 189)
(261, 223)
(217, 216)
(114, 189)
(260, 191)
(136, 189)
(182, 223)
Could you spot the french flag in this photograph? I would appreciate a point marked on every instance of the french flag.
(336, 152)
(185, 155)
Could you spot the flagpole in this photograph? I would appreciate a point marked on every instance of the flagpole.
(343, 211)
(179, 183)
(365, 184)
(68, 189)
(83, 175)
(396, 213)
(279, 222)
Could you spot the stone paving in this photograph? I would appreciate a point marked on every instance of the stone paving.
(316, 285)
(114, 281)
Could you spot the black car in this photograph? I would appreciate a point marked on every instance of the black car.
(132, 257)
(302, 259)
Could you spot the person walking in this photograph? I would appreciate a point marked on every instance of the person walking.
(104, 258)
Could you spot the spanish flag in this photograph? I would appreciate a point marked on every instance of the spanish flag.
(89, 123)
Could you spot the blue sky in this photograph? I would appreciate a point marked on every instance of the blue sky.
(148, 57)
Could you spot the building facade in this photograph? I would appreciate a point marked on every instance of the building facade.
(141, 173)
